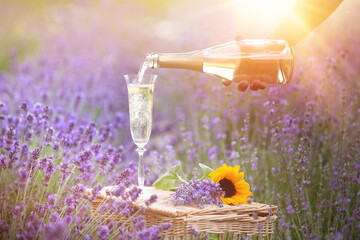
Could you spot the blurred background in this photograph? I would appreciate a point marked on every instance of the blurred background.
(130, 29)
(55, 51)
(62, 52)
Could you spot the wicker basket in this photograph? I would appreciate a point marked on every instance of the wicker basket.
(239, 220)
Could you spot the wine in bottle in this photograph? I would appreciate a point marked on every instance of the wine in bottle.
(270, 61)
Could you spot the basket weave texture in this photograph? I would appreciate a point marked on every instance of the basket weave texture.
(244, 219)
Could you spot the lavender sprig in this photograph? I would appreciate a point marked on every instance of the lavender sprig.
(200, 193)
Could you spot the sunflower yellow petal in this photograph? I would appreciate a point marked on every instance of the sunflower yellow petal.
(232, 174)
(242, 186)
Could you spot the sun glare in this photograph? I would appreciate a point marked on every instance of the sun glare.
(266, 9)
(274, 8)
(258, 17)
(278, 7)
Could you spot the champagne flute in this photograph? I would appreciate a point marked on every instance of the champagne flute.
(140, 93)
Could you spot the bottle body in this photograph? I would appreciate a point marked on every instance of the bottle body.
(270, 61)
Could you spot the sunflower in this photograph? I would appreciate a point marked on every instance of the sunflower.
(237, 190)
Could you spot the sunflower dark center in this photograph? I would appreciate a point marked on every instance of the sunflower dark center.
(228, 187)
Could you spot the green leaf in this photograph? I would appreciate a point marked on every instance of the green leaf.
(165, 183)
(206, 170)
(175, 168)
(170, 179)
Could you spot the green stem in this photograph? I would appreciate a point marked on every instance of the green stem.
(94, 213)
(23, 135)
(60, 190)
(330, 213)
(113, 235)
(90, 226)
(180, 178)
(32, 188)
(296, 230)
(26, 186)
(310, 210)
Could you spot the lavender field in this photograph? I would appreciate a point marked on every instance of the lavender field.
(64, 123)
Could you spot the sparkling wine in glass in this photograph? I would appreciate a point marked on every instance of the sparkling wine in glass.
(140, 93)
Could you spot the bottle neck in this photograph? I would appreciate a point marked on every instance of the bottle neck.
(191, 60)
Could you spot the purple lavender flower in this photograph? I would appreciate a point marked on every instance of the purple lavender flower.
(90, 133)
(103, 232)
(54, 217)
(10, 134)
(2, 162)
(152, 232)
(139, 223)
(134, 193)
(305, 206)
(49, 136)
(338, 236)
(212, 153)
(43, 163)
(105, 133)
(23, 175)
(197, 192)
(70, 200)
(48, 170)
(78, 191)
(31, 229)
(24, 108)
(290, 210)
(52, 200)
(34, 155)
(55, 231)
(118, 191)
(95, 191)
(153, 198)
(196, 234)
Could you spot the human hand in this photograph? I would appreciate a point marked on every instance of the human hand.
(244, 84)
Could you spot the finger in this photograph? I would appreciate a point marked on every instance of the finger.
(226, 82)
(255, 85)
(242, 86)
(262, 86)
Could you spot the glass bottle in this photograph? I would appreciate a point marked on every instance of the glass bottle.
(270, 61)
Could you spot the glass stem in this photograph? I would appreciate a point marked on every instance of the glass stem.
(141, 169)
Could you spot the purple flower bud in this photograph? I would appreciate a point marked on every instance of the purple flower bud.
(212, 153)
(290, 210)
(34, 155)
(2, 162)
(195, 234)
(52, 200)
(37, 109)
(23, 175)
(103, 232)
(198, 192)
(78, 190)
(55, 231)
(54, 217)
(151, 200)
(24, 108)
(48, 135)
